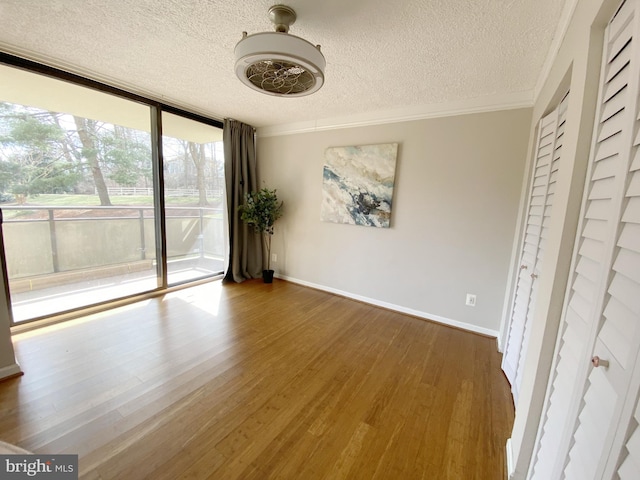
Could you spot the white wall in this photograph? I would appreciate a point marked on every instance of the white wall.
(458, 182)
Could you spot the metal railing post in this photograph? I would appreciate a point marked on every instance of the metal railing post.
(54, 241)
(143, 245)
(201, 236)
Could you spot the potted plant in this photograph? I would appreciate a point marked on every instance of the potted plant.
(261, 209)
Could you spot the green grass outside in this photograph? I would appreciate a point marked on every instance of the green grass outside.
(47, 200)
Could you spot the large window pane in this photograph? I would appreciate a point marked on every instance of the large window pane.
(194, 200)
(76, 191)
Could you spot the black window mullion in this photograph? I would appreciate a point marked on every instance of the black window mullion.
(158, 197)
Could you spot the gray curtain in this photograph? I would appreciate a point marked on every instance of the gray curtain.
(245, 248)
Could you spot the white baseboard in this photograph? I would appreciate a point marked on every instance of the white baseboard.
(509, 455)
(396, 308)
(10, 371)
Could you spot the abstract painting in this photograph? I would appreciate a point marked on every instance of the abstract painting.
(358, 184)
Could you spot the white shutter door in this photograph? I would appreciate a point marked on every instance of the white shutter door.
(547, 161)
(621, 329)
(561, 113)
(627, 463)
(529, 248)
(630, 457)
(617, 322)
(629, 460)
(584, 404)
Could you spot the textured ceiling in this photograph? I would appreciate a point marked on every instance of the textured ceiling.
(382, 55)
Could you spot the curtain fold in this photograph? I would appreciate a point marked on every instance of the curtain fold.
(245, 249)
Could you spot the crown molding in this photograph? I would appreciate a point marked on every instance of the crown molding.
(563, 25)
(491, 103)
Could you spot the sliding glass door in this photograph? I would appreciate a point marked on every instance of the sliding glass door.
(79, 196)
(193, 197)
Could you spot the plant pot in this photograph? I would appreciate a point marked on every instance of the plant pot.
(267, 276)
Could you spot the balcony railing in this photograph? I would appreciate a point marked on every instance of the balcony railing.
(48, 247)
(168, 192)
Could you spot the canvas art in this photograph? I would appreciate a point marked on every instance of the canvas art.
(358, 184)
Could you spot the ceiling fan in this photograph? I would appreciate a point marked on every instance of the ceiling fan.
(277, 63)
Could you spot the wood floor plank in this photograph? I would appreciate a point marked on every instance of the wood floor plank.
(258, 381)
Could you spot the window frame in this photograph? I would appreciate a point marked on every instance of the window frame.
(156, 109)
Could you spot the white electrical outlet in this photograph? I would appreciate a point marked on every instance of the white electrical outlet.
(471, 300)
(274, 257)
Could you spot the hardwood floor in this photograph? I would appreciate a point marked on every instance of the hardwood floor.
(257, 381)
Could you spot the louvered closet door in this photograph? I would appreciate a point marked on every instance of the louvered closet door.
(627, 463)
(544, 235)
(629, 458)
(585, 405)
(548, 152)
